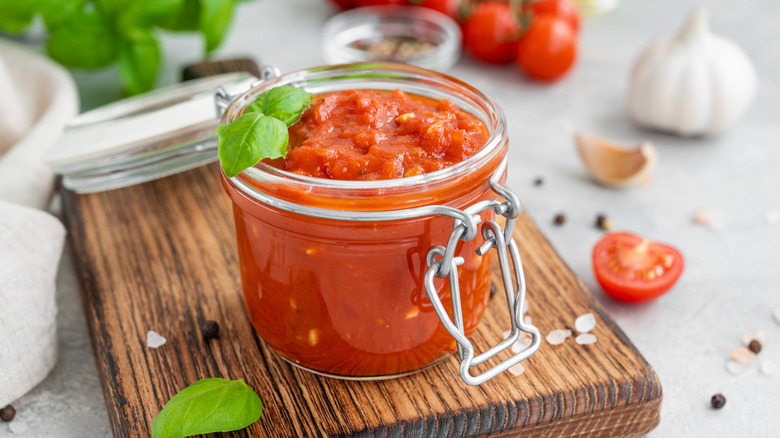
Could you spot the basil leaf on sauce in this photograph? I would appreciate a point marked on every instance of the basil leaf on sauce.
(261, 132)
(249, 139)
(285, 103)
(206, 406)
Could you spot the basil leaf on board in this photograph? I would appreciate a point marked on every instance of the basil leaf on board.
(285, 103)
(249, 139)
(206, 406)
(139, 58)
(215, 16)
(85, 40)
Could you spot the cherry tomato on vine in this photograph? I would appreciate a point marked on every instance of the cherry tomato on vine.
(446, 7)
(361, 3)
(490, 33)
(565, 10)
(548, 49)
(632, 269)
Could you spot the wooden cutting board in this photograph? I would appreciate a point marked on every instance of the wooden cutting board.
(161, 256)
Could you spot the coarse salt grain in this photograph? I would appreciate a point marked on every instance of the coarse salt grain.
(768, 367)
(557, 337)
(154, 339)
(17, 426)
(735, 368)
(777, 316)
(507, 333)
(521, 344)
(528, 320)
(758, 335)
(516, 369)
(585, 339)
(743, 355)
(585, 323)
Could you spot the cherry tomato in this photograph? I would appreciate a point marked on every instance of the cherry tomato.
(566, 10)
(490, 33)
(446, 7)
(632, 269)
(548, 49)
(361, 3)
(344, 4)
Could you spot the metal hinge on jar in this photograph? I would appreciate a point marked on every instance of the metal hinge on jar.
(442, 263)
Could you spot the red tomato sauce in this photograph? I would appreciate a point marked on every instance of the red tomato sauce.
(347, 298)
(370, 135)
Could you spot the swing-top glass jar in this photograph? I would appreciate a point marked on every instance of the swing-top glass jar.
(350, 278)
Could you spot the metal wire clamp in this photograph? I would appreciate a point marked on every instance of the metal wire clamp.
(442, 263)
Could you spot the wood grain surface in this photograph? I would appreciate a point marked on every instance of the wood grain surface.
(161, 256)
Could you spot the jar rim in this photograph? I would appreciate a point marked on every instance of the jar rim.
(395, 74)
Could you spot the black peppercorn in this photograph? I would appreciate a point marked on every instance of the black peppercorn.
(560, 218)
(7, 413)
(754, 346)
(538, 181)
(718, 401)
(603, 222)
(210, 329)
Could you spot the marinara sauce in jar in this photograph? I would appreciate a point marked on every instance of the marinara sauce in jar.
(351, 262)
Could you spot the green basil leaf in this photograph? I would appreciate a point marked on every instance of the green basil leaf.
(16, 15)
(215, 16)
(147, 13)
(85, 40)
(206, 406)
(287, 102)
(56, 12)
(139, 58)
(186, 18)
(249, 139)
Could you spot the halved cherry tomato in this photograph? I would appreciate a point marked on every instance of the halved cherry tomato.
(490, 33)
(548, 49)
(632, 269)
(566, 10)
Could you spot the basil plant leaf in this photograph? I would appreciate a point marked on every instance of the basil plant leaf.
(139, 58)
(249, 139)
(206, 406)
(16, 15)
(85, 40)
(187, 18)
(215, 17)
(285, 103)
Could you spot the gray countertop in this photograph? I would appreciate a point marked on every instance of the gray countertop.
(732, 279)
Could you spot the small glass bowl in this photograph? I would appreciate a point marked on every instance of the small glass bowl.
(406, 34)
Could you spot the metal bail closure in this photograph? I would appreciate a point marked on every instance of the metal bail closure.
(442, 263)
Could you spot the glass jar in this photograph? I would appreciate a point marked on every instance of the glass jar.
(334, 272)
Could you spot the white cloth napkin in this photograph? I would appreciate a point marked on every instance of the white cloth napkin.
(37, 98)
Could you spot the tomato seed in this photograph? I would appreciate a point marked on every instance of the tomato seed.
(7, 413)
(718, 401)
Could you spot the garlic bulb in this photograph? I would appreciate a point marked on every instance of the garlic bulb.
(692, 83)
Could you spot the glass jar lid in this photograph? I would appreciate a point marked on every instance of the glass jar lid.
(145, 137)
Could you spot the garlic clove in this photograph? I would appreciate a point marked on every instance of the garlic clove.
(613, 165)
